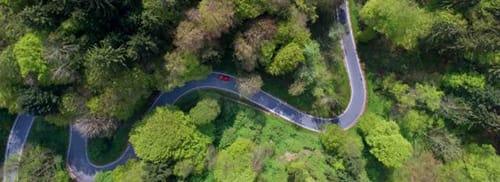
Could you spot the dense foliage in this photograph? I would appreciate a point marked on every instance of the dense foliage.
(183, 144)
(432, 68)
(42, 164)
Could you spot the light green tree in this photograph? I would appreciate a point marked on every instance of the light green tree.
(400, 91)
(286, 60)
(465, 80)
(182, 67)
(248, 9)
(421, 167)
(122, 97)
(415, 123)
(216, 16)
(401, 21)
(429, 96)
(132, 171)
(385, 141)
(42, 164)
(28, 53)
(235, 162)
(168, 135)
(11, 80)
(480, 163)
(205, 111)
(102, 64)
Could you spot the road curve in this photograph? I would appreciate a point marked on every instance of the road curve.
(82, 169)
(15, 144)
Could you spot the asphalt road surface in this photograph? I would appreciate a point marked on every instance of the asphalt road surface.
(82, 169)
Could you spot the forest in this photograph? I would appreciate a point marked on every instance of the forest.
(432, 69)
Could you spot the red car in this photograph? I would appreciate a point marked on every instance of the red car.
(224, 78)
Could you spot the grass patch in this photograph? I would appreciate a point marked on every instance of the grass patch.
(354, 13)
(49, 136)
(6, 122)
(105, 150)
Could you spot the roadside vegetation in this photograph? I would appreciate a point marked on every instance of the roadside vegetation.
(44, 157)
(6, 123)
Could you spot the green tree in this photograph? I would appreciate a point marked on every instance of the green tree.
(422, 167)
(132, 171)
(41, 164)
(122, 97)
(429, 96)
(247, 124)
(102, 64)
(294, 29)
(156, 171)
(247, 45)
(248, 9)
(141, 47)
(103, 176)
(309, 166)
(287, 59)
(235, 162)
(400, 91)
(11, 80)
(385, 141)
(480, 163)
(205, 111)
(444, 145)
(314, 70)
(416, 124)
(346, 148)
(481, 40)
(447, 34)
(157, 15)
(404, 29)
(216, 16)
(28, 53)
(465, 81)
(168, 135)
(182, 67)
(341, 142)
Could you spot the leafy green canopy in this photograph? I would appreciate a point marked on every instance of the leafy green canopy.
(122, 97)
(11, 80)
(246, 9)
(385, 141)
(235, 162)
(167, 135)
(400, 20)
(287, 59)
(480, 163)
(28, 53)
(205, 111)
(41, 164)
(465, 81)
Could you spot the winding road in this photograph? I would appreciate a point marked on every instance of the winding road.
(82, 169)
